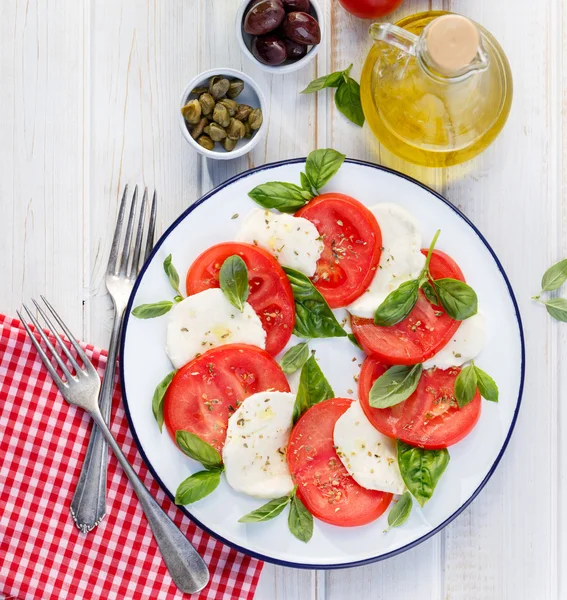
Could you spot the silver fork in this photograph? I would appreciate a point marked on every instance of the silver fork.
(80, 386)
(88, 506)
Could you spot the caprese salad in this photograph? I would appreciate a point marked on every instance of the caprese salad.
(228, 403)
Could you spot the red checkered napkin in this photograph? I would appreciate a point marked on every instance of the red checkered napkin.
(42, 554)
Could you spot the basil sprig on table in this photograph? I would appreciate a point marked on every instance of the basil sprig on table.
(313, 316)
(552, 280)
(421, 469)
(457, 298)
(400, 512)
(320, 166)
(157, 309)
(313, 388)
(397, 384)
(469, 380)
(233, 279)
(158, 397)
(202, 483)
(295, 358)
(347, 96)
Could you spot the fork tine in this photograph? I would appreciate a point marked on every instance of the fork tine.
(128, 236)
(54, 352)
(152, 228)
(139, 235)
(113, 258)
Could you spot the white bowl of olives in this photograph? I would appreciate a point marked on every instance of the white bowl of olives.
(222, 114)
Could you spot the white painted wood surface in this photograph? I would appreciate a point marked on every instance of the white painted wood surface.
(88, 97)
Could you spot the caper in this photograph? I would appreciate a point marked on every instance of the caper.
(207, 130)
(192, 112)
(248, 133)
(206, 142)
(255, 119)
(198, 129)
(216, 132)
(219, 88)
(220, 115)
(200, 90)
(235, 88)
(231, 106)
(229, 144)
(243, 112)
(207, 103)
(236, 129)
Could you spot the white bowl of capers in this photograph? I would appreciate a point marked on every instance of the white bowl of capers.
(222, 114)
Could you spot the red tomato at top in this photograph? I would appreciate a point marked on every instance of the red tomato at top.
(370, 9)
(206, 391)
(430, 417)
(270, 291)
(421, 334)
(323, 483)
(352, 250)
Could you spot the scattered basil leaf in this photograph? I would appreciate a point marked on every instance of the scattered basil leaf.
(457, 298)
(354, 340)
(465, 385)
(321, 165)
(421, 469)
(294, 358)
(555, 276)
(486, 385)
(266, 512)
(300, 520)
(172, 274)
(197, 486)
(430, 293)
(398, 304)
(197, 449)
(397, 384)
(557, 308)
(285, 197)
(347, 100)
(332, 80)
(233, 279)
(305, 183)
(313, 388)
(400, 512)
(159, 395)
(149, 311)
(313, 317)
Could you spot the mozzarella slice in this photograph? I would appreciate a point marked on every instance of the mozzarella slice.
(254, 453)
(401, 258)
(206, 320)
(466, 344)
(293, 241)
(370, 457)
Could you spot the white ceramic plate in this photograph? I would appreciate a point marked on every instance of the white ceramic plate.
(144, 364)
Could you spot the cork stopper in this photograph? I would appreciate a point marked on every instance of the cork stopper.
(452, 43)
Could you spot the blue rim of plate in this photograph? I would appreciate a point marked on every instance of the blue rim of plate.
(270, 559)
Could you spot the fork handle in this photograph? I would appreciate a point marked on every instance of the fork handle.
(186, 567)
(88, 506)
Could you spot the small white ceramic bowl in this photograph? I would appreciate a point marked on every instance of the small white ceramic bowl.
(251, 95)
(245, 41)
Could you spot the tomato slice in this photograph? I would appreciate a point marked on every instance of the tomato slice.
(430, 417)
(206, 391)
(352, 250)
(421, 334)
(270, 291)
(323, 483)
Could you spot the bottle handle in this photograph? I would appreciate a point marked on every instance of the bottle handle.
(395, 36)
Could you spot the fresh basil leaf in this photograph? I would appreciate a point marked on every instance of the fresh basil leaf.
(305, 183)
(197, 486)
(198, 450)
(321, 165)
(149, 311)
(347, 100)
(327, 81)
(400, 512)
(285, 197)
(172, 274)
(398, 304)
(457, 298)
(313, 388)
(266, 512)
(421, 469)
(555, 276)
(397, 384)
(300, 520)
(354, 340)
(465, 385)
(486, 385)
(430, 293)
(159, 395)
(233, 279)
(294, 358)
(557, 308)
(313, 316)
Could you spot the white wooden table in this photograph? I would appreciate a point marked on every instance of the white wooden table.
(89, 93)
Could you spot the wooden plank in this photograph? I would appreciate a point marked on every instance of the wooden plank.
(281, 583)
